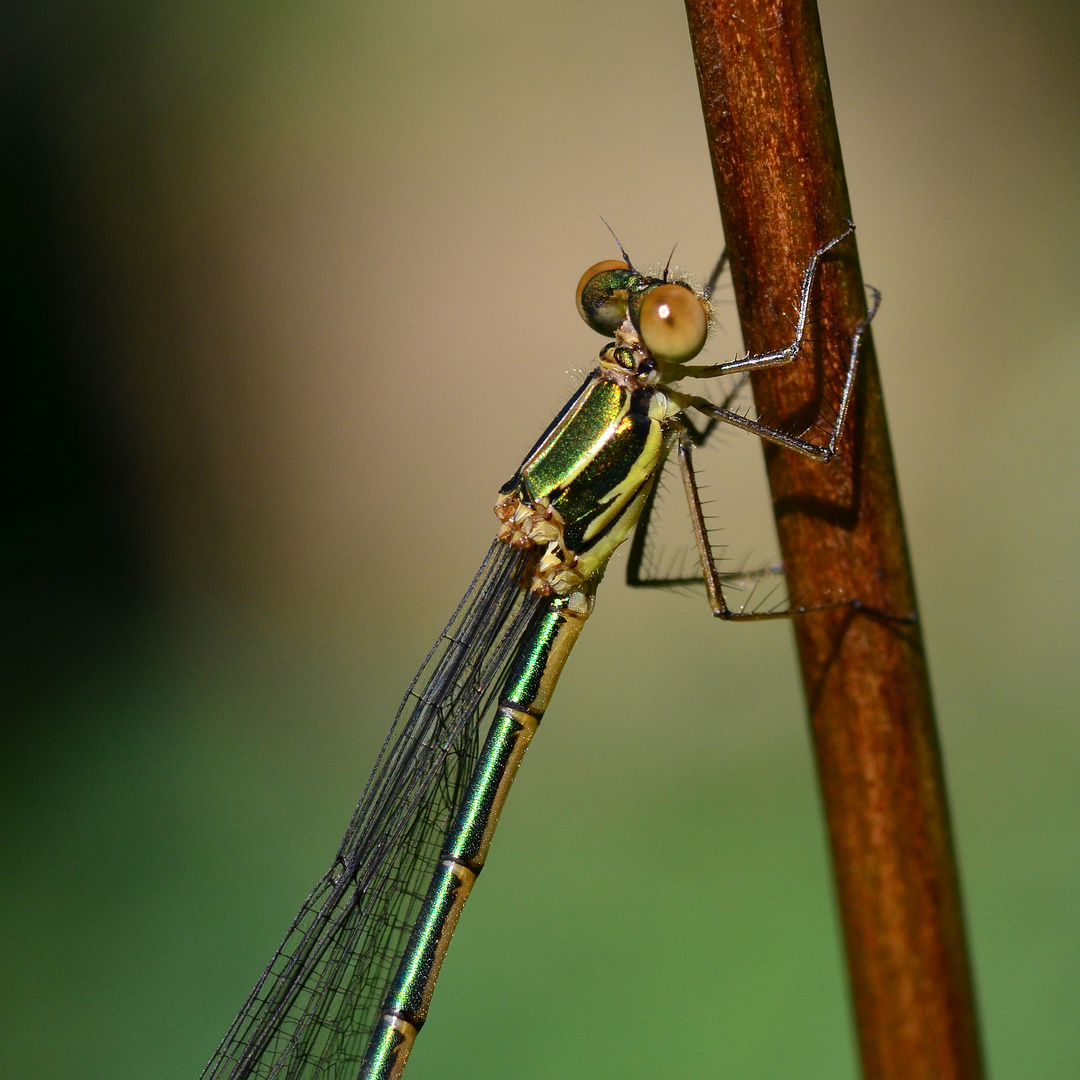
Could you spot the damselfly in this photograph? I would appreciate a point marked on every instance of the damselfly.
(350, 986)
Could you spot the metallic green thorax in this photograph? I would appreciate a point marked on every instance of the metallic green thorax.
(583, 467)
(581, 489)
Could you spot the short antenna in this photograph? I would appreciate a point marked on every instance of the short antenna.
(622, 250)
(667, 266)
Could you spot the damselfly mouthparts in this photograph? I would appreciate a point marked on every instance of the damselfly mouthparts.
(350, 986)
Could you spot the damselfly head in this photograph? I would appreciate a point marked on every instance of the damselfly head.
(671, 319)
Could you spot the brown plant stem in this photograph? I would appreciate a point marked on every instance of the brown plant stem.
(779, 176)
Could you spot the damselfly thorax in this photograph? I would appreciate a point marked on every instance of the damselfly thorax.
(588, 480)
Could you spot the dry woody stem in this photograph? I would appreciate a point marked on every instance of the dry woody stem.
(776, 159)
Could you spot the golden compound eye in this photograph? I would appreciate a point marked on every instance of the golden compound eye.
(673, 323)
(602, 297)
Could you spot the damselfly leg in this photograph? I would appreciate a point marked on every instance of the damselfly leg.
(643, 534)
(778, 358)
(790, 353)
(691, 437)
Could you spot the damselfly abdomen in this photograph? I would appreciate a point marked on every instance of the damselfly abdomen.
(348, 990)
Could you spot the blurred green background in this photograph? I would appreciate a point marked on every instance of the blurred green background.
(287, 295)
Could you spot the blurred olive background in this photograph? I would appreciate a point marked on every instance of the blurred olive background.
(287, 295)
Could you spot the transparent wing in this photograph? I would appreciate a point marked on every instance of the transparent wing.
(313, 1009)
(734, 491)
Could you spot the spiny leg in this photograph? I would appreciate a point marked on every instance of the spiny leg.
(637, 545)
(713, 588)
(713, 579)
(641, 531)
(640, 542)
(699, 438)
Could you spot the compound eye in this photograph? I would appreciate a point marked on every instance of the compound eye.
(602, 295)
(673, 323)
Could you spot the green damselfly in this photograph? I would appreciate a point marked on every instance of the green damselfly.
(349, 988)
